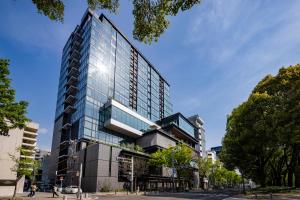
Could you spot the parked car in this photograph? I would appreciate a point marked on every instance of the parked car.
(72, 189)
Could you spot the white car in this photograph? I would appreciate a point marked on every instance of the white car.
(72, 189)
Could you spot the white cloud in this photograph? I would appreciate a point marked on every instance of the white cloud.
(25, 26)
(43, 131)
(239, 43)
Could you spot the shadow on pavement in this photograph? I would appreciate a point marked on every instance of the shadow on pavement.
(217, 195)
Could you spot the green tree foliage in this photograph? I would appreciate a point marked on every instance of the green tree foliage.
(217, 174)
(204, 166)
(150, 16)
(25, 165)
(12, 113)
(263, 134)
(220, 177)
(180, 157)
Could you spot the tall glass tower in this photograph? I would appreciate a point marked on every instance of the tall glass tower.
(108, 91)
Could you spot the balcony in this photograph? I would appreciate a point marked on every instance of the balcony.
(77, 37)
(23, 156)
(29, 151)
(30, 134)
(28, 146)
(73, 71)
(71, 90)
(67, 126)
(74, 62)
(72, 80)
(70, 99)
(63, 156)
(29, 140)
(69, 109)
(65, 142)
(31, 127)
(75, 54)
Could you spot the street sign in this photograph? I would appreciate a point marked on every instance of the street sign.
(61, 178)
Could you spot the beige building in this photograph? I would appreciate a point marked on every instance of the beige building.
(9, 145)
(212, 156)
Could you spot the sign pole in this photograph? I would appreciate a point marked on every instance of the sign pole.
(132, 174)
(79, 182)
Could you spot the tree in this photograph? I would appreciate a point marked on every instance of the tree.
(219, 176)
(180, 157)
(262, 134)
(25, 165)
(12, 113)
(204, 166)
(150, 16)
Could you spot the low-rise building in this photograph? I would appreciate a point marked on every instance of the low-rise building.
(211, 156)
(10, 145)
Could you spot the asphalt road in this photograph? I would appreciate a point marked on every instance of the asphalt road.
(164, 196)
(173, 196)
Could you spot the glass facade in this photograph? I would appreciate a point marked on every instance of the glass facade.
(106, 62)
(187, 127)
(115, 113)
(180, 122)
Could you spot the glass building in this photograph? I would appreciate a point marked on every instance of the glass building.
(108, 91)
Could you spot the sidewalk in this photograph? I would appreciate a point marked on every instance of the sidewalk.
(46, 196)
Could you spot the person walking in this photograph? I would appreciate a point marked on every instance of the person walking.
(54, 191)
(33, 190)
(30, 193)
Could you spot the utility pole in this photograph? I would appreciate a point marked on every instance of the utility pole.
(79, 183)
(132, 174)
(172, 170)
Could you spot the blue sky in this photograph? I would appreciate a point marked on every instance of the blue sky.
(212, 55)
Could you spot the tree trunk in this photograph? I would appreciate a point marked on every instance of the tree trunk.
(290, 177)
(244, 189)
(262, 177)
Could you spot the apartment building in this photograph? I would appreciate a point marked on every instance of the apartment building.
(111, 98)
(199, 123)
(10, 145)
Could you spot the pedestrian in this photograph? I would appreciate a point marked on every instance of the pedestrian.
(33, 190)
(30, 193)
(54, 191)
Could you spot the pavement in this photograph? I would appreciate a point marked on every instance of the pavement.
(163, 196)
(46, 196)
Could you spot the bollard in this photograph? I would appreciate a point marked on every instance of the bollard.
(271, 196)
(86, 195)
(255, 196)
(65, 197)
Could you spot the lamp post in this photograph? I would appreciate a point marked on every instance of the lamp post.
(173, 170)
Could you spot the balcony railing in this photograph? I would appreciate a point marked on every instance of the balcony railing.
(72, 80)
(71, 90)
(75, 54)
(74, 62)
(73, 71)
(69, 109)
(70, 99)
(67, 126)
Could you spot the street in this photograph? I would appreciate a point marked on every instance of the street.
(164, 196)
